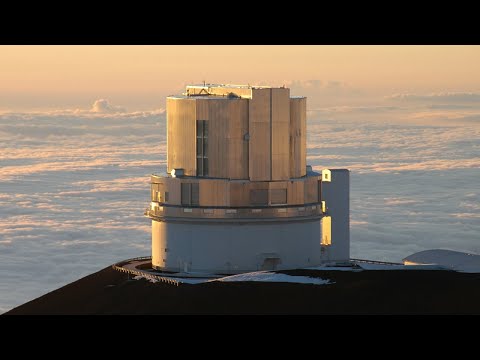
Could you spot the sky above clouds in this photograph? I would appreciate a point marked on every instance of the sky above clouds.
(83, 127)
(139, 77)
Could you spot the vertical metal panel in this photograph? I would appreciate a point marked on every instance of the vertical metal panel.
(311, 190)
(278, 196)
(295, 192)
(280, 133)
(239, 193)
(298, 140)
(202, 109)
(214, 192)
(260, 185)
(259, 130)
(303, 137)
(172, 185)
(181, 116)
(228, 124)
(277, 185)
(237, 144)
(217, 137)
(319, 190)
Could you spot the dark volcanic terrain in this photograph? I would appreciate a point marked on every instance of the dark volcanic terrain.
(365, 292)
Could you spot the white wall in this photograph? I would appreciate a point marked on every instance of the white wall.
(232, 248)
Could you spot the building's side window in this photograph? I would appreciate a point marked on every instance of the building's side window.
(154, 188)
(259, 197)
(278, 196)
(158, 193)
(186, 194)
(202, 148)
(190, 194)
(195, 194)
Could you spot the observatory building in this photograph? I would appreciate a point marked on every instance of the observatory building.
(238, 195)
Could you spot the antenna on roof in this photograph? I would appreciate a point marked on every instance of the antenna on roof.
(203, 82)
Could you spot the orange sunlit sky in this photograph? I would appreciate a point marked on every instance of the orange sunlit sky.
(139, 77)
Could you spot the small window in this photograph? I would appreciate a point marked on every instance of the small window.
(154, 188)
(326, 231)
(195, 194)
(190, 194)
(205, 166)
(185, 194)
(200, 128)
(199, 166)
(259, 197)
(202, 148)
(278, 196)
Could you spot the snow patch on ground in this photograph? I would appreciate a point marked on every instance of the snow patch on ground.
(266, 276)
(179, 279)
(366, 266)
(139, 277)
(333, 268)
(263, 276)
(189, 280)
(448, 259)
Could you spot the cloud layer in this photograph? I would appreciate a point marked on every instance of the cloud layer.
(74, 185)
(462, 97)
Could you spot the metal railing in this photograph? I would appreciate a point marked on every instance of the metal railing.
(120, 267)
(305, 211)
(374, 262)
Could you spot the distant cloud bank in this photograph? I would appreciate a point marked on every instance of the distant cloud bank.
(74, 184)
(101, 108)
(438, 97)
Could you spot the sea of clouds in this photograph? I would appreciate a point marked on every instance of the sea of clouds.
(74, 183)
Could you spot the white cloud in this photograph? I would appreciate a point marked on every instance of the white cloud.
(103, 106)
(316, 84)
(353, 109)
(73, 190)
(399, 201)
(324, 92)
